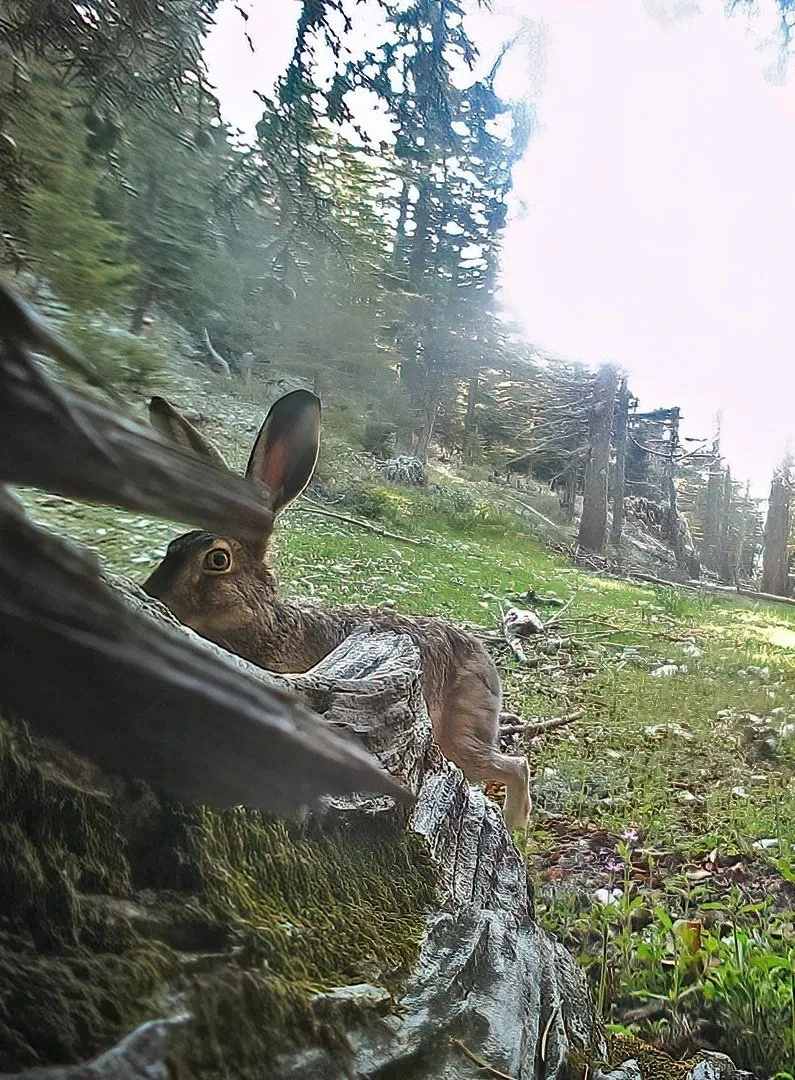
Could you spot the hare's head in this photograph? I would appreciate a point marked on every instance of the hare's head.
(216, 584)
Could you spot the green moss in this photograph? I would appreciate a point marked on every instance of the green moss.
(69, 983)
(309, 909)
(245, 914)
(67, 1005)
(654, 1064)
(55, 840)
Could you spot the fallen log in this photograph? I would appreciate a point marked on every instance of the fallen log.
(532, 510)
(737, 590)
(664, 583)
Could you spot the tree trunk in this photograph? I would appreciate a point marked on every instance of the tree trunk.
(400, 228)
(470, 428)
(593, 524)
(676, 531)
(776, 539)
(712, 516)
(418, 258)
(569, 496)
(729, 548)
(424, 433)
(147, 289)
(483, 971)
(622, 422)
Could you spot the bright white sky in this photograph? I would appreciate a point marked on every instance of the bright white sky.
(654, 218)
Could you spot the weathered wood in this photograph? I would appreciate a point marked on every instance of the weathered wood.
(82, 450)
(218, 363)
(593, 523)
(141, 1056)
(731, 591)
(619, 470)
(487, 975)
(777, 525)
(80, 666)
(532, 510)
(367, 525)
(652, 579)
(22, 326)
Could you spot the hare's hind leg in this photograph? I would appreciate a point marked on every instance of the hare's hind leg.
(469, 735)
(516, 777)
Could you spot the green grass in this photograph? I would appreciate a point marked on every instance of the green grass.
(664, 788)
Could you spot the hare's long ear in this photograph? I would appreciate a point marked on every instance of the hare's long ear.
(285, 453)
(173, 425)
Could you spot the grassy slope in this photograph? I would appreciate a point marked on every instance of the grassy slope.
(661, 790)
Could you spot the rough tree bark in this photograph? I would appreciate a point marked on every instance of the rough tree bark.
(776, 538)
(712, 515)
(486, 975)
(676, 531)
(729, 547)
(593, 524)
(470, 427)
(489, 986)
(622, 422)
(81, 668)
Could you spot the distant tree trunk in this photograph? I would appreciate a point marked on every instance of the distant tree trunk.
(776, 538)
(470, 428)
(148, 287)
(593, 524)
(569, 496)
(400, 228)
(750, 541)
(622, 422)
(676, 531)
(420, 245)
(712, 515)
(728, 550)
(424, 434)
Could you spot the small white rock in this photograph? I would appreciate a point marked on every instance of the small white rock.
(608, 896)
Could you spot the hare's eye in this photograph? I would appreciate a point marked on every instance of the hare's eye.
(218, 559)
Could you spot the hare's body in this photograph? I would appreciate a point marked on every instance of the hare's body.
(227, 592)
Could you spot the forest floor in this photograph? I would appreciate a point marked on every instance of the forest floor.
(662, 844)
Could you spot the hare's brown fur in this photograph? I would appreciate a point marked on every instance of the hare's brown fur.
(227, 592)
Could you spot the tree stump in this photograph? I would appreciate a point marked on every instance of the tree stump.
(468, 979)
(478, 974)
(404, 469)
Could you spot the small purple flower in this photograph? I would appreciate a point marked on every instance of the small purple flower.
(614, 866)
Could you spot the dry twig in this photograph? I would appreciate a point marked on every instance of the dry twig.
(314, 509)
(531, 728)
(480, 1062)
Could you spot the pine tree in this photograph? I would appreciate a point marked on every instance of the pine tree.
(67, 240)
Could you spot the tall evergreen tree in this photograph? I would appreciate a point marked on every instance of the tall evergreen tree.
(455, 145)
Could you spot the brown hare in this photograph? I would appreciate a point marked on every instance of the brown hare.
(226, 591)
